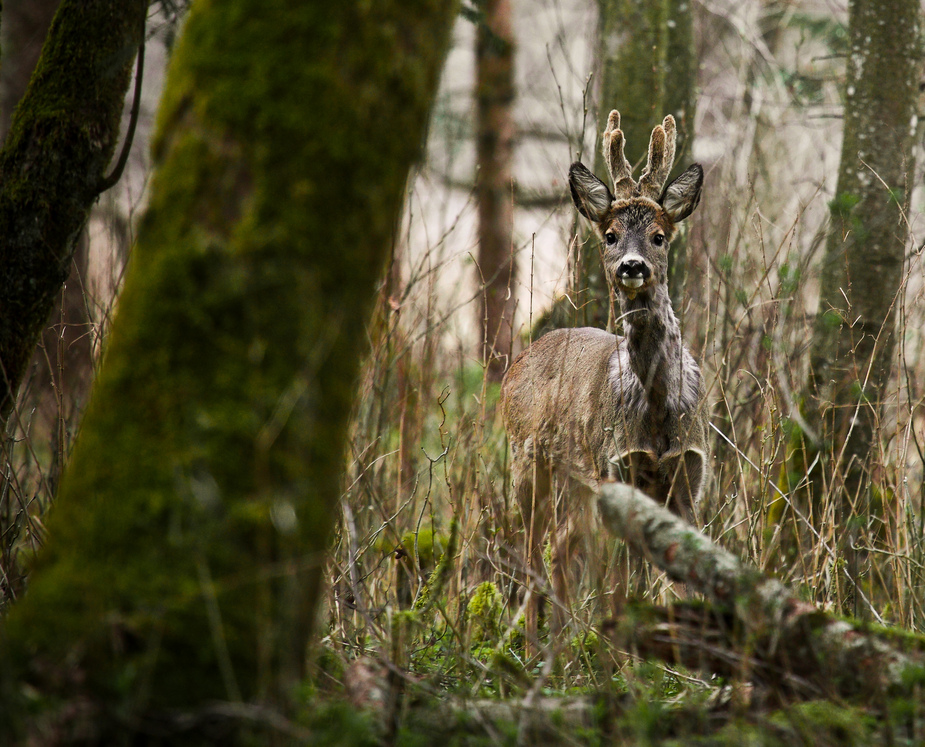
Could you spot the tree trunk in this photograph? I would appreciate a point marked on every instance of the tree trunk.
(25, 25)
(72, 109)
(854, 337)
(681, 101)
(187, 544)
(633, 47)
(632, 43)
(62, 365)
(494, 93)
(759, 628)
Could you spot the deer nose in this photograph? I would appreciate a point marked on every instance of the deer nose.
(633, 269)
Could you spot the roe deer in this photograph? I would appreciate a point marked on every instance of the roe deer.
(583, 405)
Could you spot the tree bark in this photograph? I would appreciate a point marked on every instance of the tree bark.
(633, 44)
(854, 337)
(25, 25)
(72, 109)
(494, 93)
(681, 69)
(187, 544)
(62, 365)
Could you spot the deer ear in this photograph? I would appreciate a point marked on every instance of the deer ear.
(590, 195)
(681, 196)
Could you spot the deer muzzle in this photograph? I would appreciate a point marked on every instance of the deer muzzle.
(633, 272)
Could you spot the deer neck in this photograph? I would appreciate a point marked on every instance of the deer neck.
(653, 341)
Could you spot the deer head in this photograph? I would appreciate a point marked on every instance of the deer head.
(636, 221)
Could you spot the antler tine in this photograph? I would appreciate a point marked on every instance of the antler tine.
(661, 159)
(671, 134)
(621, 173)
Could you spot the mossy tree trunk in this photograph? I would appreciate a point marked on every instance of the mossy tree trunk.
(681, 101)
(756, 625)
(854, 337)
(59, 374)
(25, 26)
(186, 547)
(647, 70)
(494, 194)
(633, 43)
(62, 137)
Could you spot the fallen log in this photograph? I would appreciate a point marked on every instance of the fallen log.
(756, 625)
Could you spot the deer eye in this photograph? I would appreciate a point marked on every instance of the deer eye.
(610, 237)
(658, 239)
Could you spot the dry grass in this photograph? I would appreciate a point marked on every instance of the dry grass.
(427, 449)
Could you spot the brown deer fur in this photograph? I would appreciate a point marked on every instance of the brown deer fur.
(582, 405)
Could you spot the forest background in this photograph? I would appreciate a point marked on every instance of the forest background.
(798, 283)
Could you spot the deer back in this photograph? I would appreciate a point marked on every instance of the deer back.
(557, 402)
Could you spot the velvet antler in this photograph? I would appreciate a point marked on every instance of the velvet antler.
(621, 173)
(661, 159)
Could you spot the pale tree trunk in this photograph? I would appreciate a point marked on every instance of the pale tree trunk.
(186, 550)
(494, 95)
(854, 337)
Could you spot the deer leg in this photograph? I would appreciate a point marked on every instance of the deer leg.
(638, 468)
(564, 545)
(572, 543)
(682, 475)
(533, 495)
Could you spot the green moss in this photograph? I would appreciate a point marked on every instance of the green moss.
(435, 585)
(426, 545)
(823, 722)
(484, 613)
(334, 724)
(843, 204)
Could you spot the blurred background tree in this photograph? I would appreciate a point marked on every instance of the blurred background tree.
(855, 336)
(646, 69)
(494, 186)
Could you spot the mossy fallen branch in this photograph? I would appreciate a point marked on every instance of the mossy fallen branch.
(758, 624)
